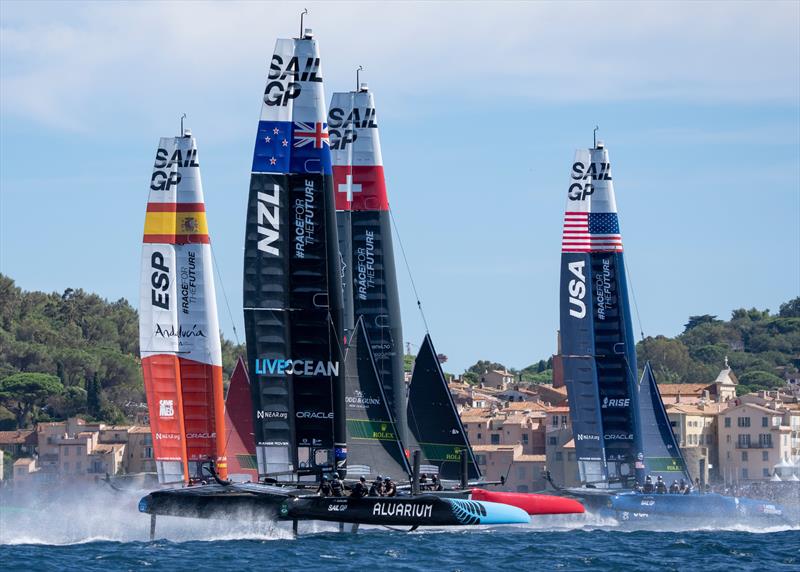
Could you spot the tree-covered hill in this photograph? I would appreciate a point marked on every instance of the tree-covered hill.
(762, 348)
(86, 349)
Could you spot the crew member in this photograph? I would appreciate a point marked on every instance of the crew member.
(389, 488)
(336, 486)
(360, 488)
(648, 485)
(682, 486)
(376, 490)
(324, 487)
(436, 484)
(661, 486)
(423, 482)
(674, 489)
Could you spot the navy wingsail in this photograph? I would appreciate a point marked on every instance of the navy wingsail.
(597, 346)
(292, 290)
(433, 418)
(662, 456)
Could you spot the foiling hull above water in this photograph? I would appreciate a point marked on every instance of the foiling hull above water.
(633, 506)
(266, 502)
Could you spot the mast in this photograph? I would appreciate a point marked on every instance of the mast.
(292, 284)
(178, 326)
(599, 355)
(365, 240)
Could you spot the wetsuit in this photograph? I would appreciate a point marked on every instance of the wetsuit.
(336, 488)
(376, 490)
(389, 489)
(324, 488)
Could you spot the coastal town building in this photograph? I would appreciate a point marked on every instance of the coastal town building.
(522, 472)
(78, 450)
(496, 379)
(695, 429)
(753, 439)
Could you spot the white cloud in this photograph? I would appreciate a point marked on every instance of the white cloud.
(74, 66)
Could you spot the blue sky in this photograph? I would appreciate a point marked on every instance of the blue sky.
(480, 107)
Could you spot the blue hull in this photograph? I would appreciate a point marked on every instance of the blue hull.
(634, 506)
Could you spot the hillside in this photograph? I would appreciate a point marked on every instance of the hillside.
(761, 348)
(84, 349)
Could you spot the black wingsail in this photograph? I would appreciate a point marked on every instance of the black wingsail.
(292, 289)
(373, 440)
(433, 418)
(365, 239)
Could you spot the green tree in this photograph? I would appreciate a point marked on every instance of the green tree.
(695, 321)
(758, 381)
(93, 396)
(790, 309)
(22, 393)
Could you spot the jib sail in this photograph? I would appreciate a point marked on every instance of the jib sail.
(292, 285)
(178, 326)
(661, 454)
(374, 444)
(365, 239)
(433, 418)
(240, 447)
(597, 347)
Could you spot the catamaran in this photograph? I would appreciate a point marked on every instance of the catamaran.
(621, 430)
(426, 422)
(293, 318)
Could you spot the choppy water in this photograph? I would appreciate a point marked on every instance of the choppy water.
(97, 530)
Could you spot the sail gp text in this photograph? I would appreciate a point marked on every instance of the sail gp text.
(304, 225)
(366, 265)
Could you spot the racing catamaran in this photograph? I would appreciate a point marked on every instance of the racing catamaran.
(620, 427)
(293, 317)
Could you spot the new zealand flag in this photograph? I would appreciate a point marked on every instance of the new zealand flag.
(311, 151)
(273, 147)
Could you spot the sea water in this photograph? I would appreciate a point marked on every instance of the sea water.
(99, 529)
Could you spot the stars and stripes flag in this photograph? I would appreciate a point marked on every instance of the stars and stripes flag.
(591, 232)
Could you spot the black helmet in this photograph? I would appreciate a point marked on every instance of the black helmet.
(324, 478)
(435, 477)
(423, 476)
(362, 478)
(387, 479)
(648, 479)
(380, 478)
(660, 478)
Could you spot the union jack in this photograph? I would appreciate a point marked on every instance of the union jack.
(315, 134)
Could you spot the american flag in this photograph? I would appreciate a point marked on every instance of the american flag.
(591, 232)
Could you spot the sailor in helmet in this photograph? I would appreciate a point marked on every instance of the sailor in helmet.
(648, 485)
(376, 490)
(337, 489)
(423, 481)
(324, 487)
(360, 488)
(389, 488)
(661, 486)
(436, 484)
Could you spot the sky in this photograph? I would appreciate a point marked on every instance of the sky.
(481, 107)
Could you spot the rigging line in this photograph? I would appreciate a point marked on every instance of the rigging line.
(635, 304)
(408, 269)
(218, 273)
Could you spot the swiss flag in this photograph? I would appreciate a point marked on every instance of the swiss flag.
(360, 188)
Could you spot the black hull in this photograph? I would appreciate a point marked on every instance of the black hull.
(266, 502)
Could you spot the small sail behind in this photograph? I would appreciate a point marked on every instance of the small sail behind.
(178, 328)
(292, 283)
(365, 239)
(661, 454)
(597, 348)
(241, 447)
(374, 446)
(433, 418)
